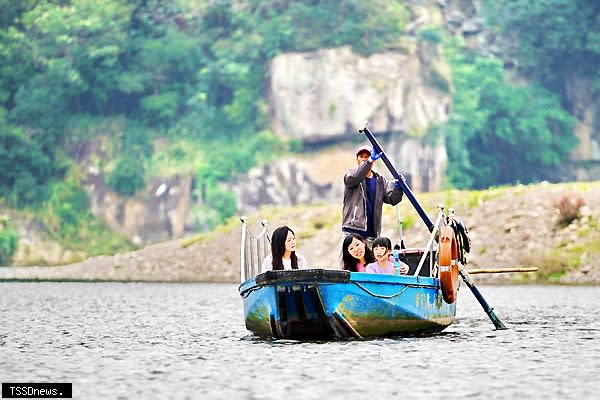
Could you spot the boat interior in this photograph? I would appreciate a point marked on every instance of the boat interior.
(254, 248)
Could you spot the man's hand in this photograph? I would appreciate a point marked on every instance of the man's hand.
(398, 184)
(375, 155)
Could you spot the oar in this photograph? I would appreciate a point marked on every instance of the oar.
(500, 270)
(486, 307)
(409, 194)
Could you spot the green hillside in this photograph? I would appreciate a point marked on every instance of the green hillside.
(124, 74)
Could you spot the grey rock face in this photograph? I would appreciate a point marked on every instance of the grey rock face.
(283, 182)
(326, 94)
(158, 214)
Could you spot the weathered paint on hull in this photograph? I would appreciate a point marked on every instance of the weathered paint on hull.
(257, 311)
(376, 305)
(359, 305)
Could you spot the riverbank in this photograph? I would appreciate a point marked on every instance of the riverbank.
(521, 226)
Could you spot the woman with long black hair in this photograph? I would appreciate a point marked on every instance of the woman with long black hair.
(283, 252)
(355, 253)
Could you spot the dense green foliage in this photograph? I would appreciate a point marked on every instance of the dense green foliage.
(9, 238)
(26, 162)
(499, 133)
(504, 134)
(187, 70)
(127, 177)
(221, 163)
(555, 40)
(69, 221)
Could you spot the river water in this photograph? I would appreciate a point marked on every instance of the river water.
(157, 341)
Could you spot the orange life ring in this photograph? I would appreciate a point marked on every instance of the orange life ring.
(448, 254)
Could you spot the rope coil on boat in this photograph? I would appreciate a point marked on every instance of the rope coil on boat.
(462, 236)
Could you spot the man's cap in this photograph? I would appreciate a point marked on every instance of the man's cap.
(363, 148)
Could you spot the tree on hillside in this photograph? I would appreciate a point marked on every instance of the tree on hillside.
(9, 239)
(26, 165)
(498, 133)
(554, 39)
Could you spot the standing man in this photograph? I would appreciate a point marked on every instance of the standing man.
(365, 191)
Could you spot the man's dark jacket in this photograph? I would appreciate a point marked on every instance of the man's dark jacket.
(354, 213)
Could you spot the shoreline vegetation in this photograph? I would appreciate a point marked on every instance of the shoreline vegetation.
(553, 227)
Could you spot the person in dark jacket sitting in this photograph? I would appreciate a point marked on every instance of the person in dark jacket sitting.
(364, 194)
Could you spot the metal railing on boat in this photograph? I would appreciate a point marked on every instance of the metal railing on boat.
(253, 249)
(429, 247)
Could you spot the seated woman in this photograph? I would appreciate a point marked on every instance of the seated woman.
(355, 253)
(382, 251)
(283, 252)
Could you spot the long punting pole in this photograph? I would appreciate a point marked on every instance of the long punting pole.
(463, 272)
(486, 307)
(409, 194)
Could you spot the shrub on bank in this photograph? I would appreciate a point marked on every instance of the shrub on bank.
(569, 208)
(9, 238)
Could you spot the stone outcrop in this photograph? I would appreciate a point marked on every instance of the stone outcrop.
(290, 181)
(158, 213)
(33, 246)
(326, 94)
(284, 183)
(35, 249)
(423, 165)
(585, 107)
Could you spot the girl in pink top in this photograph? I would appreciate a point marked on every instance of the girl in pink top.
(382, 250)
(355, 253)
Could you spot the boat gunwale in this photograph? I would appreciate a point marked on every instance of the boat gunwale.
(329, 277)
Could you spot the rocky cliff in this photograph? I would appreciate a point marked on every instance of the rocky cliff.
(160, 213)
(316, 97)
(326, 94)
(322, 97)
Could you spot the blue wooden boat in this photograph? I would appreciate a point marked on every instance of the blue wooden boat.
(330, 304)
(336, 304)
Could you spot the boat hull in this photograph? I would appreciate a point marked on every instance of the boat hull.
(328, 304)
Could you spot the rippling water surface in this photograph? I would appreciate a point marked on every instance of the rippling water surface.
(140, 340)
